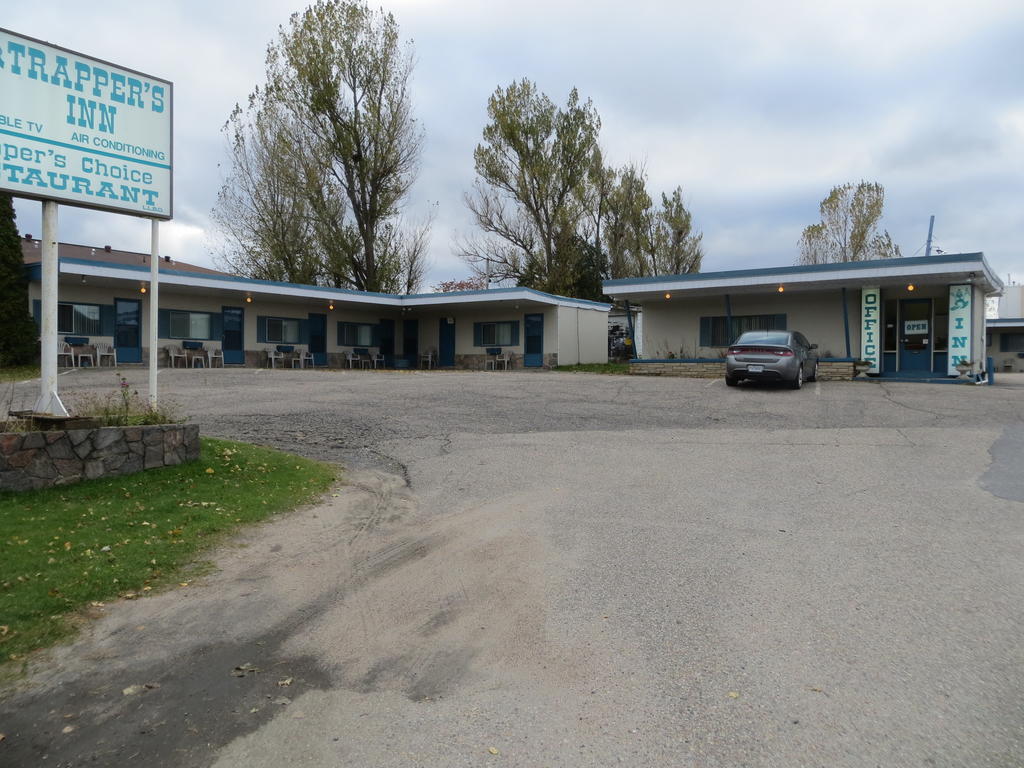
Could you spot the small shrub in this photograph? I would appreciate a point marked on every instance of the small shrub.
(125, 408)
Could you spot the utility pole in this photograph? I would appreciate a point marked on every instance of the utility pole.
(928, 245)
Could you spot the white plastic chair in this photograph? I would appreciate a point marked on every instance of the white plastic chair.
(64, 350)
(107, 350)
(353, 359)
(213, 355)
(427, 358)
(306, 358)
(379, 358)
(175, 353)
(273, 355)
(505, 359)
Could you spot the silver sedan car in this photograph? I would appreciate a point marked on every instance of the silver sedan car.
(784, 356)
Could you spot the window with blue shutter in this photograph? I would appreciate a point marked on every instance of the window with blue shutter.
(498, 334)
(358, 335)
(721, 330)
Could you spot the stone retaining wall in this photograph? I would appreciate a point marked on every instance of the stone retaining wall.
(689, 369)
(835, 370)
(44, 459)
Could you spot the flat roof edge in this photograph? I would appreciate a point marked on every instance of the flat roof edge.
(197, 279)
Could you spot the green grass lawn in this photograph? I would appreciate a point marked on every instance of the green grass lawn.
(62, 549)
(19, 373)
(595, 368)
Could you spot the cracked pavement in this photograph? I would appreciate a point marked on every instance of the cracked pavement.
(576, 570)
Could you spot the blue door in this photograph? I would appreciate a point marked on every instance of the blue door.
(232, 339)
(387, 340)
(446, 343)
(318, 338)
(915, 335)
(533, 341)
(127, 331)
(411, 341)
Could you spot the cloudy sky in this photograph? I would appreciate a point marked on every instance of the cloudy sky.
(757, 109)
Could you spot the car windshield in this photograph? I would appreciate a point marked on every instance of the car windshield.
(764, 337)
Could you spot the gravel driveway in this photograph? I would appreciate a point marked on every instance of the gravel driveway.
(533, 569)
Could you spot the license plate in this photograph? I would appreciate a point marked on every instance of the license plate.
(755, 369)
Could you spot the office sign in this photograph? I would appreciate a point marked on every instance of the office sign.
(870, 325)
(960, 299)
(82, 131)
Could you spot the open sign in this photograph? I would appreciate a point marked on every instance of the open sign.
(915, 327)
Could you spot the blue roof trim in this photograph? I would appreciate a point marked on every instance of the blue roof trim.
(1004, 319)
(850, 266)
(516, 291)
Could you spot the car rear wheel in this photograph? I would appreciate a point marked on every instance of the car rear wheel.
(798, 381)
(731, 381)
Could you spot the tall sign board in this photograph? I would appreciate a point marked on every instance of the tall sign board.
(960, 309)
(870, 328)
(81, 131)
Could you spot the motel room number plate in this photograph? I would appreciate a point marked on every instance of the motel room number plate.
(755, 369)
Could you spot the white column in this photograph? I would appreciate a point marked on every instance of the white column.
(154, 307)
(49, 401)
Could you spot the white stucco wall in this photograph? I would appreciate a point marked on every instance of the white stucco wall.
(673, 325)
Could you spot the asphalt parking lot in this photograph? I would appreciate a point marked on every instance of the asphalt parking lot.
(559, 569)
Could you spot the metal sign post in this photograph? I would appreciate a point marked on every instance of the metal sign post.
(154, 307)
(49, 401)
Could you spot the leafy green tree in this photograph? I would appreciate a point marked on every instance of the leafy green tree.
(642, 240)
(533, 166)
(849, 227)
(553, 216)
(327, 153)
(19, 336)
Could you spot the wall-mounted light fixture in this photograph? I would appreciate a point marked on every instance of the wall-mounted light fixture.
(142, 288)
(668, 295)
(248, 299)
(910, 287)
(83, 279)
(782, 289)
(331, 305)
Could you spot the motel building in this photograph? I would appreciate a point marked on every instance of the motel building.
(909, 318)
(1006, 332)
(209, 318)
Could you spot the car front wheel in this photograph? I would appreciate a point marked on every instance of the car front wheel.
(731, 381)
(814, 372)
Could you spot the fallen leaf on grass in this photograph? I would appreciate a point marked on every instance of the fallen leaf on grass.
(210, 470)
